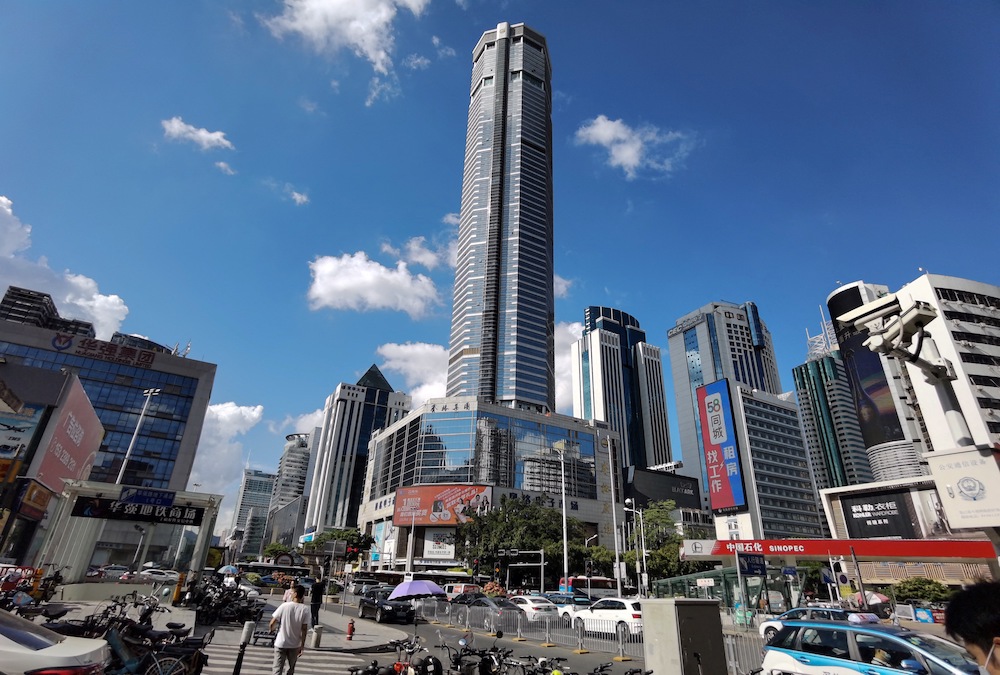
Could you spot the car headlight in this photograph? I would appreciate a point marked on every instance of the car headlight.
(387, 607)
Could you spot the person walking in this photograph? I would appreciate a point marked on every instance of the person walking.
(292, 622)
(973, 616)
(316, 594)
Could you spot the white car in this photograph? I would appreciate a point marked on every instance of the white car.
(158, 575)
(769, 628)
(536, 608)
(252, 591)
(27, 647)
(619, 616)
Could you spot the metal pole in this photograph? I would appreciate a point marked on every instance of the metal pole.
(149, 394)
(614, 511)
(562, 467)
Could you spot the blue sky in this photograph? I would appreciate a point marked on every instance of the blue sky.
(278, 183)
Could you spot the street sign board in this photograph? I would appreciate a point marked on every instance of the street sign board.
(138, 495)
(752, 564)
(702, 583)
(789, 571)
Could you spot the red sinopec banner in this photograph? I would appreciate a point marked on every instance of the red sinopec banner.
(439, 504)
(71, 441)
(821, 549)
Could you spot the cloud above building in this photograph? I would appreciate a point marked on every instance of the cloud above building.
(176, 129)
(356, 282)
(423, 366)
(638, 151)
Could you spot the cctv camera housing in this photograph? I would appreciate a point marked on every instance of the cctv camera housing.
(887, 305)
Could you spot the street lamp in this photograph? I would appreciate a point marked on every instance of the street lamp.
(142, 536)
(586, 544)
(562, 474)
(640, 545)
(609, 444)
(149, 394)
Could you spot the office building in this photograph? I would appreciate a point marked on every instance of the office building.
(350, 417)
(618, 379)
(250, 513)
(115, 374)
(501, 345)
(719, 340)
(829, 420)
(294, 477)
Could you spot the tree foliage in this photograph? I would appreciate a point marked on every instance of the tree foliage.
(276, 548)
(358, 543)
(663, 543)
(919, 588)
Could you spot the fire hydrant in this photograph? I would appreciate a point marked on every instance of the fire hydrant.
(350, 629)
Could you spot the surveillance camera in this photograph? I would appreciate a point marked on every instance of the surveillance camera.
(887, 305)
(900, 331)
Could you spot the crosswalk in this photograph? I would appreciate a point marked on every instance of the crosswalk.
(257, 660)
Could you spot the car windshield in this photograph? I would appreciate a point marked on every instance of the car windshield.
(949, 652)
(27, 634)
(383, 594)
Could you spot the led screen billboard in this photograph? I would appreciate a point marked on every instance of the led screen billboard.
(70, 443)
(880, 515)
(438, 504)
(721, 449)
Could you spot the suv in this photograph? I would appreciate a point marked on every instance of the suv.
(846, 648)
(376, 602)
(769, 628)
(618, 616)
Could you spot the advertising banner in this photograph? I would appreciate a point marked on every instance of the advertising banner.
(913, 550)
(112, 509)
(880, 515)
(722, 457)
(439, 543)
(71, 441)
(35, 501)
(438, 504)
(968, 484)
(16, 431)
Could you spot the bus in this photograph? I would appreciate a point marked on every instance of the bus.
(272, 574)
(595, 587)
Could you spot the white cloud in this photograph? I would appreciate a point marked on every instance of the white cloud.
(361, 284)
(305, 423)
(424, 368)
(443, 51)
(561, 286)
(644, 148)
(382, 89)
(335, 85)
(308, 105)
(416, 251)
(15, 236)
(417, 62)
(450, 219)
(300, 198)
(565, 335)
(175, 129)
(365, 27)
(75, 295)
(219, 460)
(225, 168)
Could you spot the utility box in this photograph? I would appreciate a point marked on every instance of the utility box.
(683, 636)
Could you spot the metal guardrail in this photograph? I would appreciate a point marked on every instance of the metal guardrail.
(744, 651)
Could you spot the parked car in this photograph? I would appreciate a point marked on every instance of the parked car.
(493, 613)
(567, 604)
(113, 571)
(376, 603)
(846, 648)
(619, 616)
(252, 591)
(158, 575)
(26, 647)
(536, 608)
(769, 628)
(359, 584)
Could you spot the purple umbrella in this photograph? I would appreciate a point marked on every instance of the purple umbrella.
(416, 589)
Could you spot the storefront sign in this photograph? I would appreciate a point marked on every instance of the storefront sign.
(113, 509)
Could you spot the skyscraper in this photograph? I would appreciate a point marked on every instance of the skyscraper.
(618, 379)
(250, 512)
(352, 413)
(719, 340)
(829, 421)
(503, 315)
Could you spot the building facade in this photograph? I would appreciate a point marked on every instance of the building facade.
(115, 374)
(250, 512)
(719, 340)
(502, 344)
(829, 419)
(350, 417)
(618, 379)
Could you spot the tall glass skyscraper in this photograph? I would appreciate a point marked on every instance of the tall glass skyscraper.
(502, 319)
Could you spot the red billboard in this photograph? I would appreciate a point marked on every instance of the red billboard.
(439, 504)
(70, 442)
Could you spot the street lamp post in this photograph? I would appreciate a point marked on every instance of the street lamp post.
(562, 474)
(609, 444)
(640, 546)
(142, 537)
(149, 394)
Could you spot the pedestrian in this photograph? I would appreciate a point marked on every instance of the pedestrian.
(292, 622)
(289, 594)
(316, 599)
(973, 616)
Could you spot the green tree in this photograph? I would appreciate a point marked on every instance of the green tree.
(919, 588)
(663, 543)
(276, 548)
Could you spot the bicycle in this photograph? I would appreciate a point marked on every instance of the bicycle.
(149, 663)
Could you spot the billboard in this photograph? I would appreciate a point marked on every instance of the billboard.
(722, 454)
(438, 504)
(16, 432)
(112, 509)
(968, 485)
(886, 514)
(872, 398)
(70, 443)
(649, 486)
(439, 543)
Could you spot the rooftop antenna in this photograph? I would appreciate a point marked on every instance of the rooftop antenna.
(923, 270)
(187, 349)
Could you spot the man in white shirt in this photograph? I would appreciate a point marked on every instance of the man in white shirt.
(292, 620)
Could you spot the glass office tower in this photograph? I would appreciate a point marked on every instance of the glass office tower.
(502, 321)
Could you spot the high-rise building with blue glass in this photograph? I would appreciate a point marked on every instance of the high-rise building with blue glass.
(502, 346)
(719, 340)
(618, 379)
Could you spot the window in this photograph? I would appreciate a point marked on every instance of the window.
(881, 651)
(825, 642)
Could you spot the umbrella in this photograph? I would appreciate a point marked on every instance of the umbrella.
(416, 589)
(228, 569)
(873, 598)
